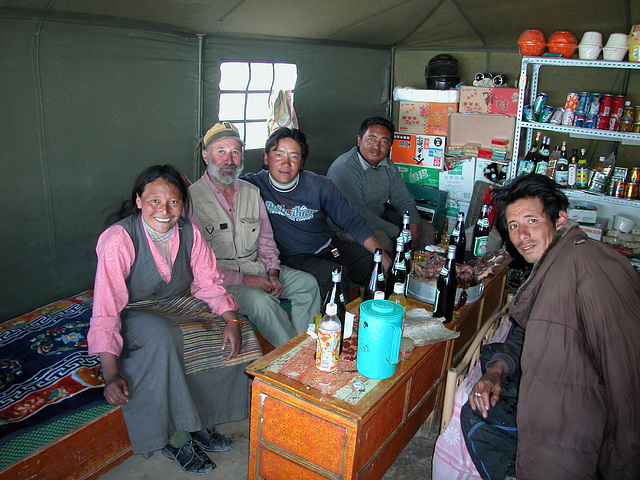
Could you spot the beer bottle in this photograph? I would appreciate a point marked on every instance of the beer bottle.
(376, 277)
(329, 339)
(481, 232)
(398, 270)
(334, 295)
(562, 167)
(543, 159)
(530, 159)
(446, 288)
(406, 236)
(459, 238)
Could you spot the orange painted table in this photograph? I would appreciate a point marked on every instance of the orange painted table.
(307, 424)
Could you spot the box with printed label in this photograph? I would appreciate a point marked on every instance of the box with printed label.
(459, 181)
(596, 231)
(418, 150)
(489, 100)
(425, 118)
(429, 177)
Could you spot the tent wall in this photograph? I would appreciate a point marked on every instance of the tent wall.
(85, 108)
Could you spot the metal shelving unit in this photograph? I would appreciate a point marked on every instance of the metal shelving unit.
(575, 132)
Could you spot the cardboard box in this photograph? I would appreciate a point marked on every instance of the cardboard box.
(409, 94)
(597, 230)
(425, 118)
(479, 128)
(418, 150)
(489, 100)
(459, 181)
(417, 175)
(583, 212)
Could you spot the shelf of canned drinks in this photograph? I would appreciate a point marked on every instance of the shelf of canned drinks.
(626, 138)
(574, 62)
(595, 197)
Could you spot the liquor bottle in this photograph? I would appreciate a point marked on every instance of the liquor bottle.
(582, 174)
(481, 232)
(446, 288)
(543, 159)
(572, 172)
(562, 167)
(406, 237)
(459, 238)
(553, 160)
(398, 270)
(529, 161)
(376, 277)
(398, 295)
(329, 336)
(334, 295)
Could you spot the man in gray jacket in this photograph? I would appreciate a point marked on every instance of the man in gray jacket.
(372, 183)
(576, 413)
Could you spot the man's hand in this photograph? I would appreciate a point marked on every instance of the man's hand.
(255, 281)
(232, 334)
(116, 390)
(486, 393)
(276, 285)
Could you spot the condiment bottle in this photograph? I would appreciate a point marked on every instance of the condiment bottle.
(327, 346)
(334, 295)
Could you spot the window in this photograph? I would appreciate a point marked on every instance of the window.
(245, 91)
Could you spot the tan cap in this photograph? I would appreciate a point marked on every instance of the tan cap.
(221, 131)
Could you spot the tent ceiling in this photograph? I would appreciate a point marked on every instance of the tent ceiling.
(408, 23)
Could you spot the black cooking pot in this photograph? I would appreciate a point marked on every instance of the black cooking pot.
(442, 72)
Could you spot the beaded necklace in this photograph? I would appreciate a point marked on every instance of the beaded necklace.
(162, 241)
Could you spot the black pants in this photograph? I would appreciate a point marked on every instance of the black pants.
(492, 441)
(356, 262)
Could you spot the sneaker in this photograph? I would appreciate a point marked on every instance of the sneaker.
(211, 440)
(190, 458)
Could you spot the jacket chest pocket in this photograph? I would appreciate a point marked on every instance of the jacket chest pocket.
(221, 242)
(248, 234)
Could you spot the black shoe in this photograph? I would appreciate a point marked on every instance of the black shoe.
(211, 440)
(190, 458)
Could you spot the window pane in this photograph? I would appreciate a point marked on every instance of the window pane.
(240, 127)
(231, 106)
(257, 106)
(261, 76)
(256, 135)
(286, 76)
(234, 75)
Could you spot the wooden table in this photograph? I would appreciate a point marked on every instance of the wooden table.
(308, 424)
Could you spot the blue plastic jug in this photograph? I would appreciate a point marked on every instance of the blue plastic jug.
(379, 334)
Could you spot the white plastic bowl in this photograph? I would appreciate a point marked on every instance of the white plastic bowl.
(617, 40)
(614, 54)
(623, 224)
(589, 51)
(594, 38)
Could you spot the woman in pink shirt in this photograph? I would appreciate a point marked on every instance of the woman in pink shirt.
(143, 317)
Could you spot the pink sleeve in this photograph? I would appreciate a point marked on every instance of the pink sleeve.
(208, 283)
(267, 248)
(116, 254)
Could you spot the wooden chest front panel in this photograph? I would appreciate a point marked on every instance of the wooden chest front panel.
(276, 467)
(428, 374)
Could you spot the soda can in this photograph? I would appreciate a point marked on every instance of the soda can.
(615, 189)
(634, 175)
(590, 121)
(626, 126)
(557, 116)
(545, 116)
(606, 104)
(618, 106)
(635, 128)
(631, 190)
(614, 123)
(567, 117)
(583, 100)
(629, 113)
(636, 117)
(578, 119)
(538, 105)
(499, 80)
(572, 102)
(603, 122)
(527, 113)
(594, 103)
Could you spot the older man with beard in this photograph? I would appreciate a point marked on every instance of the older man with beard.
(235, 223)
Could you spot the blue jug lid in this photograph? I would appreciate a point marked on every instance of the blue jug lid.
(381, 308)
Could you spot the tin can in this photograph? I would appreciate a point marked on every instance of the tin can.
(606, 104)
(527, 113)
(545, 116)
(567, 117)
(556, 118)
(619, 189)
(603, 122)
(626, 126)
(636, 115)
(629, 114)
(500, 79)
(578, 119)
(618, 105)
(634, 175)
(636, 127)
(631, 190)
(590, 121)
(614, 123)
(583, 102)
(572, 102)
(538, 105)
(594, 103)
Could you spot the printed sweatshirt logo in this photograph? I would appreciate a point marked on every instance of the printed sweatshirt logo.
(299, 213)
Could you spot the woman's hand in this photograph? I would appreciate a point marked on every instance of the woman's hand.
(116, 391)
(232, 334)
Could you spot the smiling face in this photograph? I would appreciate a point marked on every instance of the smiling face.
(530, 230)
(284, 160)
(224, 160)
(375, 144)
(161, 205)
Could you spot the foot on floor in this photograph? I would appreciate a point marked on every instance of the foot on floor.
(190, 458)
(211, 440)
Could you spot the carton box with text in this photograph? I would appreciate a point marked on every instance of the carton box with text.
(489, 100)
(596, 231)
(418, 150)
(427, 176)
(480, 128)
(425, 118)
